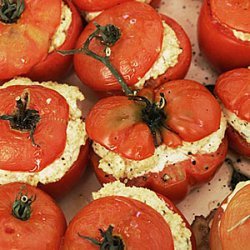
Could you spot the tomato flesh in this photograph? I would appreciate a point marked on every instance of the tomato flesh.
(137, 22)
(25, 43)
(16, 149)
(139, 225)
(38, 232)
(233, 13)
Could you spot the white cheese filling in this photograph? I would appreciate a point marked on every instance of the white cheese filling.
(181, 234)
(76, 137)
(241, 126)
(91, 15)
(119, 167)
(167, 58)
(61, 33)
(241, 35)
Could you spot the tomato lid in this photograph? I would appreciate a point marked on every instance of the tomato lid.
(132, 55)
(233, 89)
(233, 13)
(26, 42)
(17, 152)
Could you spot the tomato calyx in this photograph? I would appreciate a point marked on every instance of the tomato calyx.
(21, 208)
(108, 35)
(11, 10)
(23, 119)
(153, 115)
(108, 242)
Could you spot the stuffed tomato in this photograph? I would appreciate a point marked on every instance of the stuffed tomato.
(42, 140)
(224, 33)
(231, 225)
(28, 219)
(92, 9)
(167, 140)
(135, 218)
(141, 46)
(31, 32)
(233, 91)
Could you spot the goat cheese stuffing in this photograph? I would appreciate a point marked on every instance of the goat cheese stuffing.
(242, 35)
(119, 167)
(181, 234)
(241, 126)
(60, 36)
(167, 58)
(76, 137)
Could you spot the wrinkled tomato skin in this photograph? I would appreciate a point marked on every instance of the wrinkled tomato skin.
(180, 70)
(147, 228)
(99, 5)
(222, 49)
(43, 230)
(56, 66)
(222, 239)
(58, 189)
(237, 142)
(185, 175)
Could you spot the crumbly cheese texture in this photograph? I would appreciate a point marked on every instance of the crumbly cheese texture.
(167, 58)
(242, 35)
(60, 35)
(181, 234)
(91, 15)
(76, 137)
(238, 187)
(119, 167)
(241, 126)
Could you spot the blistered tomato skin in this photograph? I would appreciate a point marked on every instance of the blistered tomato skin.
(218, 43)
(56, 66)
(233, 90)
(139, 226)
(230, 228)
(38, 232)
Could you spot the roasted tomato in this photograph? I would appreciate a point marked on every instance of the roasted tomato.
(224, 33)
(95, 6)
(28, 219)
(167, 145)
(233, 90)
(42, 138)
(30, 36)
(152, 222)
(231, 225)
(135, 37)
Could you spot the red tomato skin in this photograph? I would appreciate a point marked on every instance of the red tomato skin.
(218, 228)
(180, 70)
(100, 213)
(222, 49)
(59, 188)
(39, 231)
(237, 142)
(99, 5)
(56, 66)
(185, 175)
(125, 56)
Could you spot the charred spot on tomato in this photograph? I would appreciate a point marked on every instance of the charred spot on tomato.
(108, 241)
(21, 208)
(11, 10)
(165, 178)
(23, 119)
